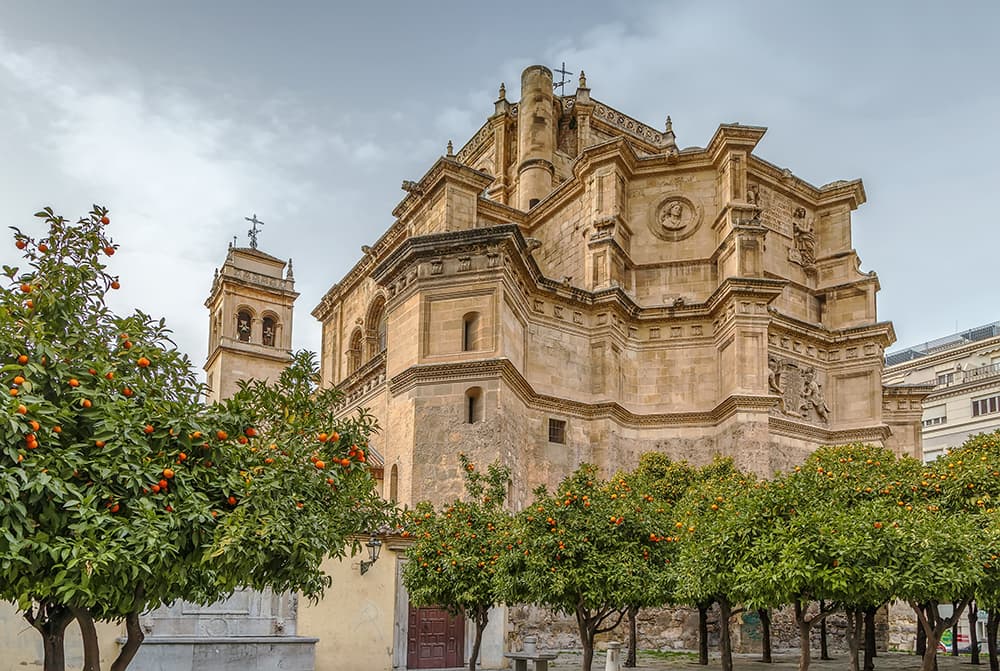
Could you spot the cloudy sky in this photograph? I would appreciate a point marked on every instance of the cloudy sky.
(185, 117)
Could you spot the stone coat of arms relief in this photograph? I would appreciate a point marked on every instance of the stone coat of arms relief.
(799, 390)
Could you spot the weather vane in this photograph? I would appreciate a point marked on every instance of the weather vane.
(561, 84)
(253, 230)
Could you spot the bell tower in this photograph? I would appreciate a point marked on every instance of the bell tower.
(249, 320)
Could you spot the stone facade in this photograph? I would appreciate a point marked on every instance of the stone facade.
(572, 264)
(571, 286)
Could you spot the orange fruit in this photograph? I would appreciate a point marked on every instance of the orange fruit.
(86, 403)
(335, 437)
(73, 382)
(149, 429)
(250, 432)
(143, 362)
(34, 425)
(168, 473)
(30, 304)
(105, 221)
(18, 379)
(114, 508)
(127, 392)
(232, 500)
(43, 248)
(319, 464)
(181, 456)
(163, 484)
(23, 359)
(221, 435)
(109, 250)
(13, 392)
(22, 410)
(20, 244)
(323, 437)
(99, 443)
(57, 429)
(116, 285)
(110, 375)
(26, 288)
(156, 489)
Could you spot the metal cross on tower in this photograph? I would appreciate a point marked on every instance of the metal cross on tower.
(253, 230)
(561, 84)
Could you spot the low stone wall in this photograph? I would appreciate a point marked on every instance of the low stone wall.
(677, 629)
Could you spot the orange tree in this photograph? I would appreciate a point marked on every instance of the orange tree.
(119, 489)
(653, 489)
(715, 524)
(586, 551)
(967, 481)
(822, 538)
(452, 562)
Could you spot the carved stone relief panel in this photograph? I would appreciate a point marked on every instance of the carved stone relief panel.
(799, 389)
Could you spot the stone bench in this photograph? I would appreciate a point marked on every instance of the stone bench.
(530, 654)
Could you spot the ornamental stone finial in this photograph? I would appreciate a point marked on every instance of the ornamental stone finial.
(288, 274)
(451, 149)
(503, 92)
(669, 139)
(583, 80)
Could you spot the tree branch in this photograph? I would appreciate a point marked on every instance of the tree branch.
(132, 642)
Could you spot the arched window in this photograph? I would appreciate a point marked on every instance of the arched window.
(470, 332)
(268, 331)
(244, 322)
(473, 405)
(393, 483)
(376, 324)
(354, 353)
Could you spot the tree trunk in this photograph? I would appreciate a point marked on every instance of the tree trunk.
(481, 618)
(703, 633)
(725, 644)
(855, 630)
(921, 637)
(973, 634)
(824, 650)
(132, 643)
(804, 626)
(954, 634)
(934, 626)
(870, 652)
(91, 646)
(992, 624)
(51, 621)
(633, 636)
(765, 630)
(586, 626)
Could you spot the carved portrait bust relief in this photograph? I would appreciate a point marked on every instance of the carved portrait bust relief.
(674, 218)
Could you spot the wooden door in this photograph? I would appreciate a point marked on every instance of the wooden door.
(435, 639)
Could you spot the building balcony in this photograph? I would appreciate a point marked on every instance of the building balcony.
(972, 375)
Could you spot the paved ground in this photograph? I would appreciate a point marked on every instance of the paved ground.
(570, 661)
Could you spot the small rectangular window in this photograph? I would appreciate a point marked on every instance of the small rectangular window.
(557, 431)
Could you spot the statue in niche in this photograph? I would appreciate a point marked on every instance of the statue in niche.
(812, 396)
(753, 195)
(672, 216)
(805, 239)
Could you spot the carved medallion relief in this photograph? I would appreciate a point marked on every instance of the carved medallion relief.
(675, 218)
